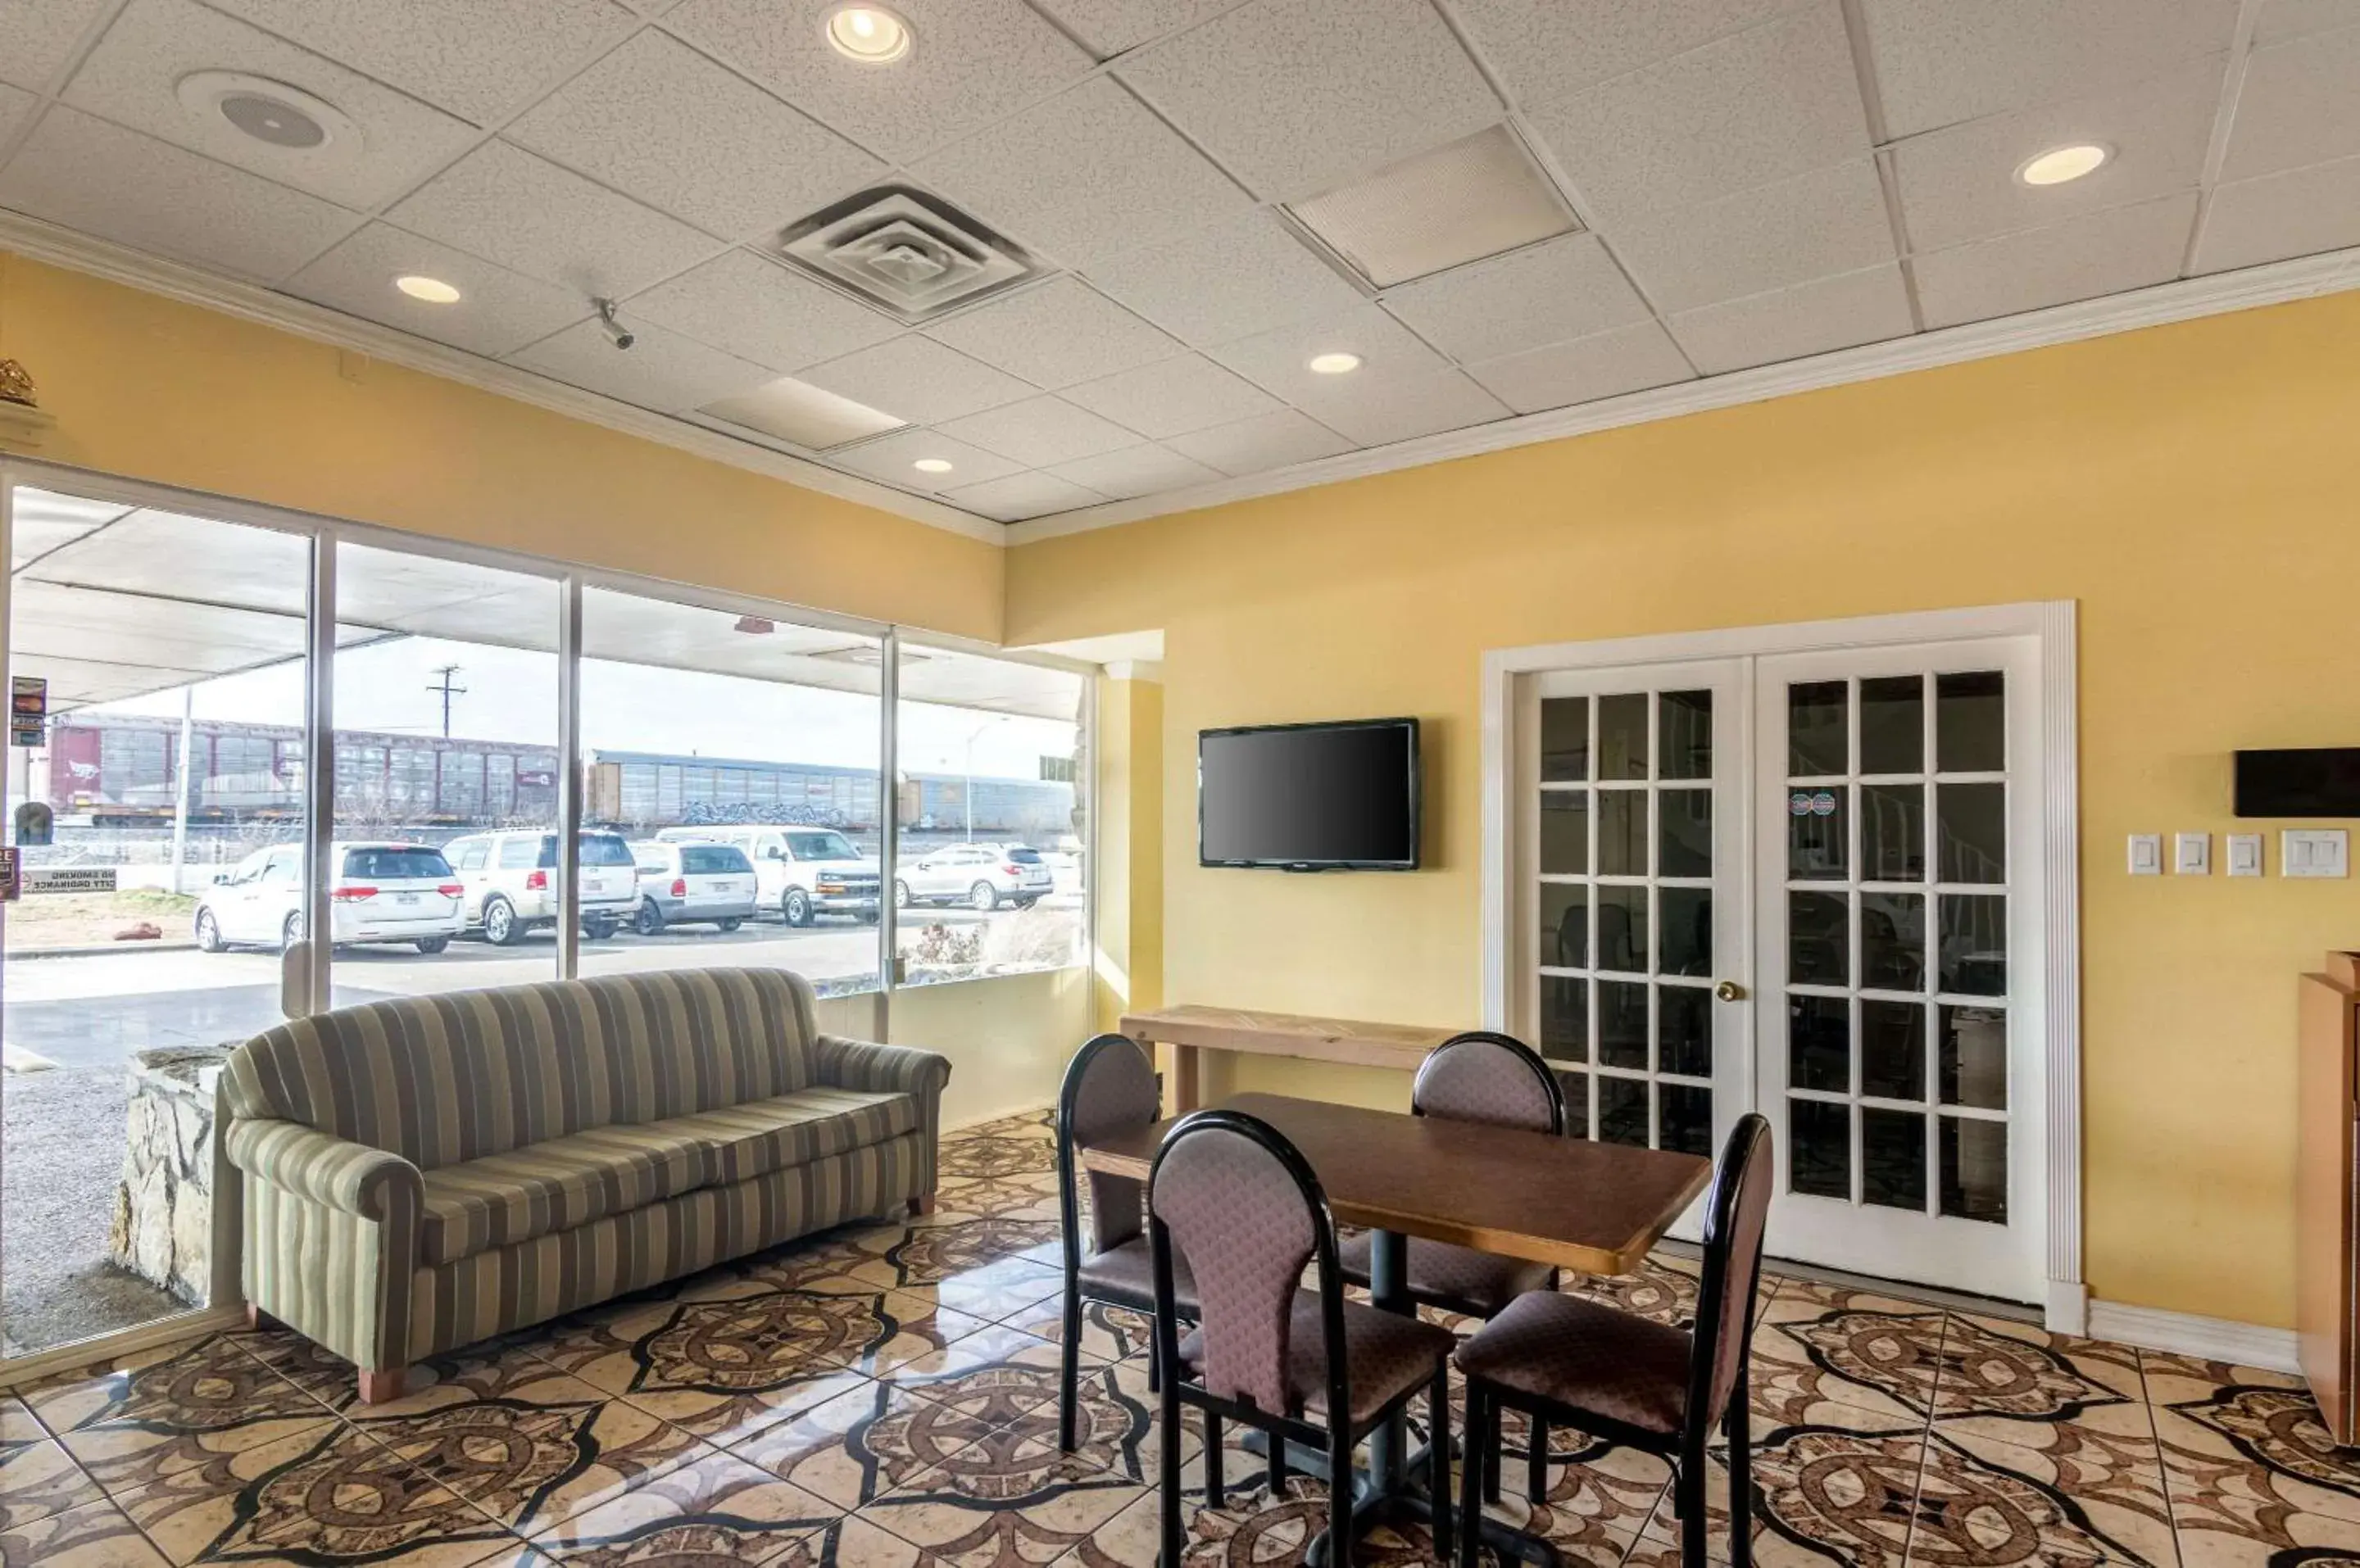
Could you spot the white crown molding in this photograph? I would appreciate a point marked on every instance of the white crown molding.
(44, 242)
(2208, 1339)
(2276, 283)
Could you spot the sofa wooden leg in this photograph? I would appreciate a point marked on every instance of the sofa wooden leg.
(922, 1205)
(383, 1386)
(257, 1320)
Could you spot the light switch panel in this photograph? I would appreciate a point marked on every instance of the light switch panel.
(2146, 855)
(2192, 854)
(2244, 855)
(2313, 852)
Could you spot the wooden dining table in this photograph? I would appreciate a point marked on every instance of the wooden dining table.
(1587, 1207)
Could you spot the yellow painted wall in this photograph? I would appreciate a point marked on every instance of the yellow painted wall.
(1129, 963)
(154, 389)
(2193, 486)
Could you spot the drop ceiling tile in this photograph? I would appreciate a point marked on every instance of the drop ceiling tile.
(119, 185)
(1040, 431)
(2299, 105)
(1938, 62)
(919, 380)
(1819, 317)
(974, 60)
(2110, 252)
(506, 205)
(2282, 19)
(130, 76)
(37, 37)
(888, 458)
(499, 312)
(1173, 397)
(1056, 334)
(661, 370)
(659, 120)
(1406, 408)
(2299, 212)
(1279, 361)
(1086, 177)
(1278, 440)
(1547, 49)
(1136, 471)
(16, 104)
(483, 59)
(1106, 28)
(797, 414)
(1769, 103)
(1226, 282)
(1959, 183)
(1628, 359)
(769, 313)
(1832, 219)
(1293, 96)
(1567, 287)
(1023, 496)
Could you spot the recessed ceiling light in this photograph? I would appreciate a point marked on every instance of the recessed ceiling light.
(869, 34)
(933, 465)
(1335, 364)
(433, 290)
(2059, 165)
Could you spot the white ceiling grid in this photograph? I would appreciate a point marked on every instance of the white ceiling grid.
(1752, 181)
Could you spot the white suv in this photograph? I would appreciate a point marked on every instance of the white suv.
(683, 883)
(511, 891)
(382, 892)
(980, 876)
(803, 872)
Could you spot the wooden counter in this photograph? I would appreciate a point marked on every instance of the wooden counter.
(1191, 1030)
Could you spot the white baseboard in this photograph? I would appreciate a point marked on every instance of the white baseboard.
(2213, 1339)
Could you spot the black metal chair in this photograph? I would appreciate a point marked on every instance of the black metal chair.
(1110, 1087)
(1631, 1380)
(1497, 1080)
(1237, 1197)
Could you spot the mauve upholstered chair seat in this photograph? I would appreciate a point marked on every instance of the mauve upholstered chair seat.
(1126, 1277)
(1390, 1356)
(1456, 1279)
(1585, 1356)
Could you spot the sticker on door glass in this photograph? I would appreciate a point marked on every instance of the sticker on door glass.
(1823, 804)
(1799, 804)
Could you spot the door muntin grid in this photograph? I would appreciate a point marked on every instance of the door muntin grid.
(1625, 852)
(1895, 977)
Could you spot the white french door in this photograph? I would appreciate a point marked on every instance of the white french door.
(1806, 884)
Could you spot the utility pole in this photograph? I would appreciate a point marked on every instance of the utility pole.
(448, 692)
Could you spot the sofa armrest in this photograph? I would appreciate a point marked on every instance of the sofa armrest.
(351, 1178)
(882, 1068)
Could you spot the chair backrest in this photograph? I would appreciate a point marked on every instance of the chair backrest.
(1242, 1204)
(1481, 1076)
(1110, 1087)
(1736, 1211)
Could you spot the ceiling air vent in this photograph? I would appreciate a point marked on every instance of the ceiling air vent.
(905, 252)
(1473, 198)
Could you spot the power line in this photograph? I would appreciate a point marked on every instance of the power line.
(448, 692)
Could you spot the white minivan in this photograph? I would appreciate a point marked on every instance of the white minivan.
(382, 892)
(510, 889)
(681, 883)
(803, 872)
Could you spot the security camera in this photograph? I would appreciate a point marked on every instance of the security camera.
(621, 336)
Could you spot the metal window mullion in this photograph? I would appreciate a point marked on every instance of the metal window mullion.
(889, 817)
(319, 749)
(568, 778)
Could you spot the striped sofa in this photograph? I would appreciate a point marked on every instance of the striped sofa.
(426, 1172)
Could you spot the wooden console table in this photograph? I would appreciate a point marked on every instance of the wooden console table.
(1190, 1030)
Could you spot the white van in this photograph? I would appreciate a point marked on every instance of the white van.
(803, 872)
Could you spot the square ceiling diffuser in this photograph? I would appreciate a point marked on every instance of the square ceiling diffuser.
(1460, 203)
(905, 252)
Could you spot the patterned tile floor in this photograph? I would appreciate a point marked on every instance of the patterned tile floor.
(885, 1394)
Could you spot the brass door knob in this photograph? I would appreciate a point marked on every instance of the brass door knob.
(1730, 991)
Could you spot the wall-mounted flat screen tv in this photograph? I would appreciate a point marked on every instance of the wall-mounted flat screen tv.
(1325, 797)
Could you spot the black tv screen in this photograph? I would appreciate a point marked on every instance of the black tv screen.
(2314, 782)
(1309, 797)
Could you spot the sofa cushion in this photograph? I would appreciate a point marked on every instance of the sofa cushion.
(742, 1143)
(555, 1185)
(445, 1079)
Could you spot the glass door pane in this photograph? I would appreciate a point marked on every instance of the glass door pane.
(1631, 865)
(158, 810)
(444, 865)
(735, 761)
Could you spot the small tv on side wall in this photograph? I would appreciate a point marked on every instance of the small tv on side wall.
(1322, 797)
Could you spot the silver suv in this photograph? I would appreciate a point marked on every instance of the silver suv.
(512, 889)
